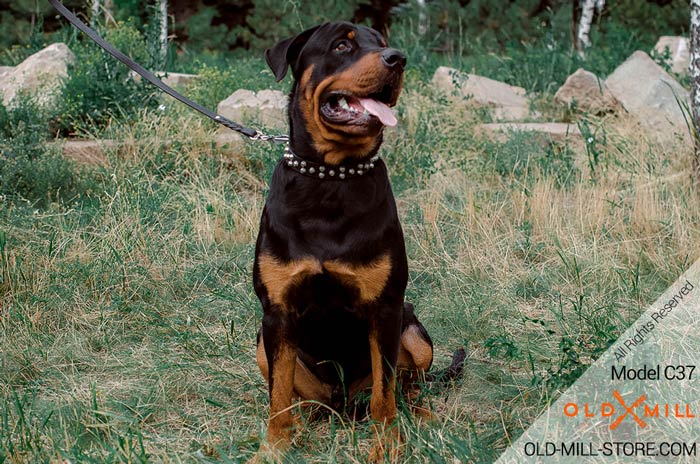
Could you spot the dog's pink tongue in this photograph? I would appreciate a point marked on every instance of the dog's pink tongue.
(380, 110)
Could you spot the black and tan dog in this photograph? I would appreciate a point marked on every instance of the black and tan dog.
(330, 263)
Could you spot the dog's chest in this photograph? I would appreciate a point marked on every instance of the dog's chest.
(338, 236)
(363, 283)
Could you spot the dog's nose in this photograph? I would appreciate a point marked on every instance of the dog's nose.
(393, 58)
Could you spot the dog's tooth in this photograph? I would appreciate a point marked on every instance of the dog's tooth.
(344, 104)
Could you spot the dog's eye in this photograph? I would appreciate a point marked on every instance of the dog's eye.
(343, 46)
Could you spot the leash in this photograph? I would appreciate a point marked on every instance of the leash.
(252, 134)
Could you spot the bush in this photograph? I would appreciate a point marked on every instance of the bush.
(30, 168)
(99, 87)
(215, 83)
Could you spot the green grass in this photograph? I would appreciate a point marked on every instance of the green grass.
(128, 318)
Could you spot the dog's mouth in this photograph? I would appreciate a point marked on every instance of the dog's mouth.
(350, 108)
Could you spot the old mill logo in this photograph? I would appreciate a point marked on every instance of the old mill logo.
(640, 411)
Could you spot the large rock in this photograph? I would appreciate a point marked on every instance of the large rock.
(39, 75)
(678, 50)
(650, 94)
(5, 70)
(587, 92)
(266, 108)
(505, 101)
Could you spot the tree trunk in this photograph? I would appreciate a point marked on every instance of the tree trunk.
(422, 17)
(163, 16)
(576, 14)
(95, 13)
(694, 68)
(584, 27)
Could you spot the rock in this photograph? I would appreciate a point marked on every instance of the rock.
(551, 131)
(178, 79)
(266, 108)
(679, 51)
(87, 151)
(39, 75)
(506, 101)
(585, 90)
(169, 78)
(6, 69)
(650, 94)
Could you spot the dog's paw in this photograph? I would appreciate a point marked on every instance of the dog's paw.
(267, 455)
(424, 414)
(387, 447)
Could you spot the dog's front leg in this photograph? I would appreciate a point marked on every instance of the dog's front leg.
(384, 339)
(280, 349)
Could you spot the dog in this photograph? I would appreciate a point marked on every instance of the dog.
(330, 266)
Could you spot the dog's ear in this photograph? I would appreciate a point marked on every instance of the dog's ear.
(286, 52)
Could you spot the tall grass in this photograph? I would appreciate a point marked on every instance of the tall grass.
(128, 319)
(128, 323)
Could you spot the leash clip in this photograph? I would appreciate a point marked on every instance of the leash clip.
(270, 138)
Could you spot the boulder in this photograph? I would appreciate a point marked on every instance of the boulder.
(651, 95)
(678, 50)
(39, 75)
(587, 92)
(550, 131)
(505, 101)
(266, 108)
(6, 69)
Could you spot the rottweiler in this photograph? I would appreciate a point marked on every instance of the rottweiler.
(330, 261)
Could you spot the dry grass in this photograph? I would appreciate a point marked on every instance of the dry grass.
(127, 324)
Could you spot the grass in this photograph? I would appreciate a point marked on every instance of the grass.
(128, 319)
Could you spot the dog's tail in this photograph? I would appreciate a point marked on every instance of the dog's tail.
(452, 372)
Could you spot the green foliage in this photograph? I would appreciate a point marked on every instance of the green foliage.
(271, 21)
(29, 168)
(215, 83)
(259, 25)
(161, 261)
(99, 87)
(504, 41)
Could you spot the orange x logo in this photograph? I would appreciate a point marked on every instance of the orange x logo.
(628, 410)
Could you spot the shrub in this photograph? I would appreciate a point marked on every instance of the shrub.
(215, 83)
(30, 168)
(99, 87)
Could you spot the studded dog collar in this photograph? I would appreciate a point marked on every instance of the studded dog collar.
(326, 171)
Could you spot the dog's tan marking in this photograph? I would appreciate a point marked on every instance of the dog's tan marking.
(278, 276)
(281, 392)
(351, 35)
(306, 385)
(369, 279)
(261, 358)
(383, 404)
(304, 82)
(382, 407)
(414, 351)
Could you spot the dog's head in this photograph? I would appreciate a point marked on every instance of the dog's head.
(346, 80)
